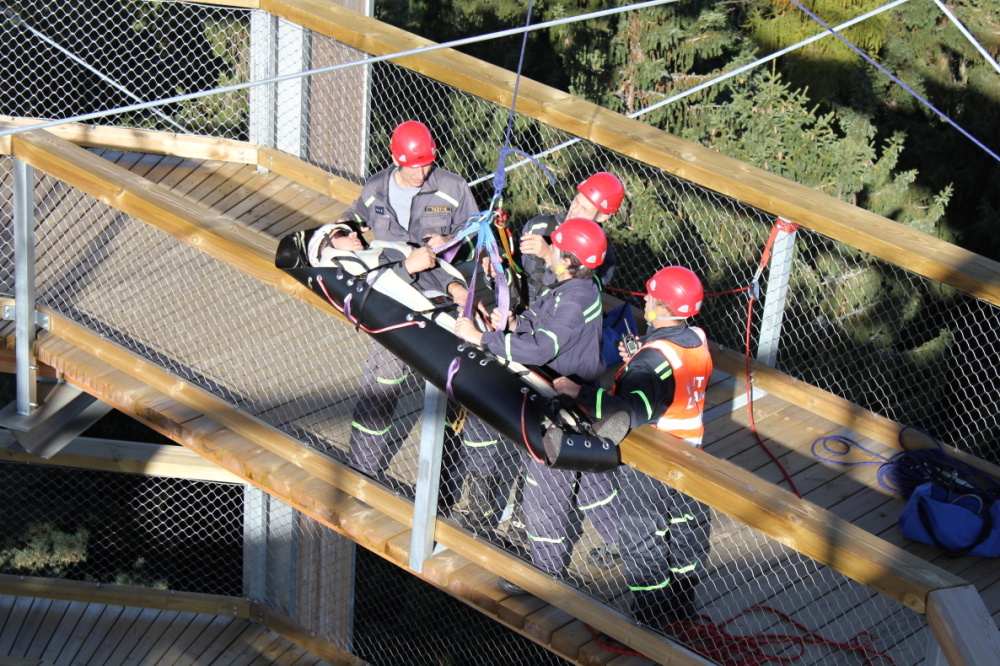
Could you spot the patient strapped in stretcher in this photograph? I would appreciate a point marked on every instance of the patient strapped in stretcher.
(415, 278)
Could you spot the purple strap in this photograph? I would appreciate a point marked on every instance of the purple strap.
(501, 289)
(467, 308)
(452, 369)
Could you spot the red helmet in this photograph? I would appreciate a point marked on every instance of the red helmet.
(679, 288)
(584, 239)
(604, 191)
(412, 144)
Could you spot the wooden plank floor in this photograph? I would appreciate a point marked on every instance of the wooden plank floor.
(61, 633)
(314, 391)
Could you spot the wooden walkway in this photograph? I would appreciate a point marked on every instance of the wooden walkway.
(55, 632)
(273, 205)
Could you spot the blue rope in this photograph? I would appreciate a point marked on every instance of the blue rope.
(844, 448)
(910, 468)
(481, 224)
(897, 81)
(500, 175)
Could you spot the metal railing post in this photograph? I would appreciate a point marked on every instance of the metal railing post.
(292, 100)
(263, 59)
(779, 274)
(428, 476)
(254, 543)
(24, 287)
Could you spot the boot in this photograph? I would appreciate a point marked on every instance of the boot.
(511, 588)
(684, 606)
(474, 508)
(614, 426)
(667, 605)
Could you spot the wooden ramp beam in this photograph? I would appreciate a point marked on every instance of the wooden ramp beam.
(171, 600)
(796, 523)
(196, 147)
(128, 457)
(964, 628)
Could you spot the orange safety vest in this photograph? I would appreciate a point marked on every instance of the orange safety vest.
(692, 367)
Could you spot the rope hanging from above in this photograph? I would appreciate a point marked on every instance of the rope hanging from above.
(482, 224)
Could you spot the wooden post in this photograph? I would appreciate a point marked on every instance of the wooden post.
(966, 632)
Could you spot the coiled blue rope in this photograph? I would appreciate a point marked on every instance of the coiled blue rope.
(909, 468)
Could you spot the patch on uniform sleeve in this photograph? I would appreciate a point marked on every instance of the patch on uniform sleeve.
(380, 210)
(438, 209)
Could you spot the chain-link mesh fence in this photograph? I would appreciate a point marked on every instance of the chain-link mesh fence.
(919, 344)
(276, 359)
(77, 58)
(912, 334)
(126, 529)
(215, 538)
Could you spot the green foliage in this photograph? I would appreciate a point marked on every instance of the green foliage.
(825, 66)
(222, 114)
(44, 549)
(140, 576)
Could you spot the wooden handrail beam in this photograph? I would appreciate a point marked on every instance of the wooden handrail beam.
(145, 141)
(245, 250)
(797, 523)
(964, 628)
(124, 595)
(827, 405)
(335, 476)
(128, 457)
(194, 147)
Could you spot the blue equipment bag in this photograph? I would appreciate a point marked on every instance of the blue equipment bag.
(617, 323)
(959, 524)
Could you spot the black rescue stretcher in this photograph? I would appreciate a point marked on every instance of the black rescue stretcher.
(517, 401)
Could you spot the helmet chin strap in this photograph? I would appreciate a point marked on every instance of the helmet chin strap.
(652, 316)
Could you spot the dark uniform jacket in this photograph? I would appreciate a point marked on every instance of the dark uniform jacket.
(443, 206)
(534, 267)
(561, 330)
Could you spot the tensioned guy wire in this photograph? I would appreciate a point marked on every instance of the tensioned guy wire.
(332, 68)
(896, 80)
(712, 82)
(968, 35)
(17, 21)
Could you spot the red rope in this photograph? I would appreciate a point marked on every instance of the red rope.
(624, 291)
(636, 293)
(780, 225)
(715, 642)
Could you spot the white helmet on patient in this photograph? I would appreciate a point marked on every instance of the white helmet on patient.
(320, 249)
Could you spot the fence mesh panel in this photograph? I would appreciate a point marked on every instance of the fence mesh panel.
(217, 538)
(127, 529)
(85, 57)
(916, 356)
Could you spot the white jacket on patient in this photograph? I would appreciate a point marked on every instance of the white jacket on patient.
(415, 291)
